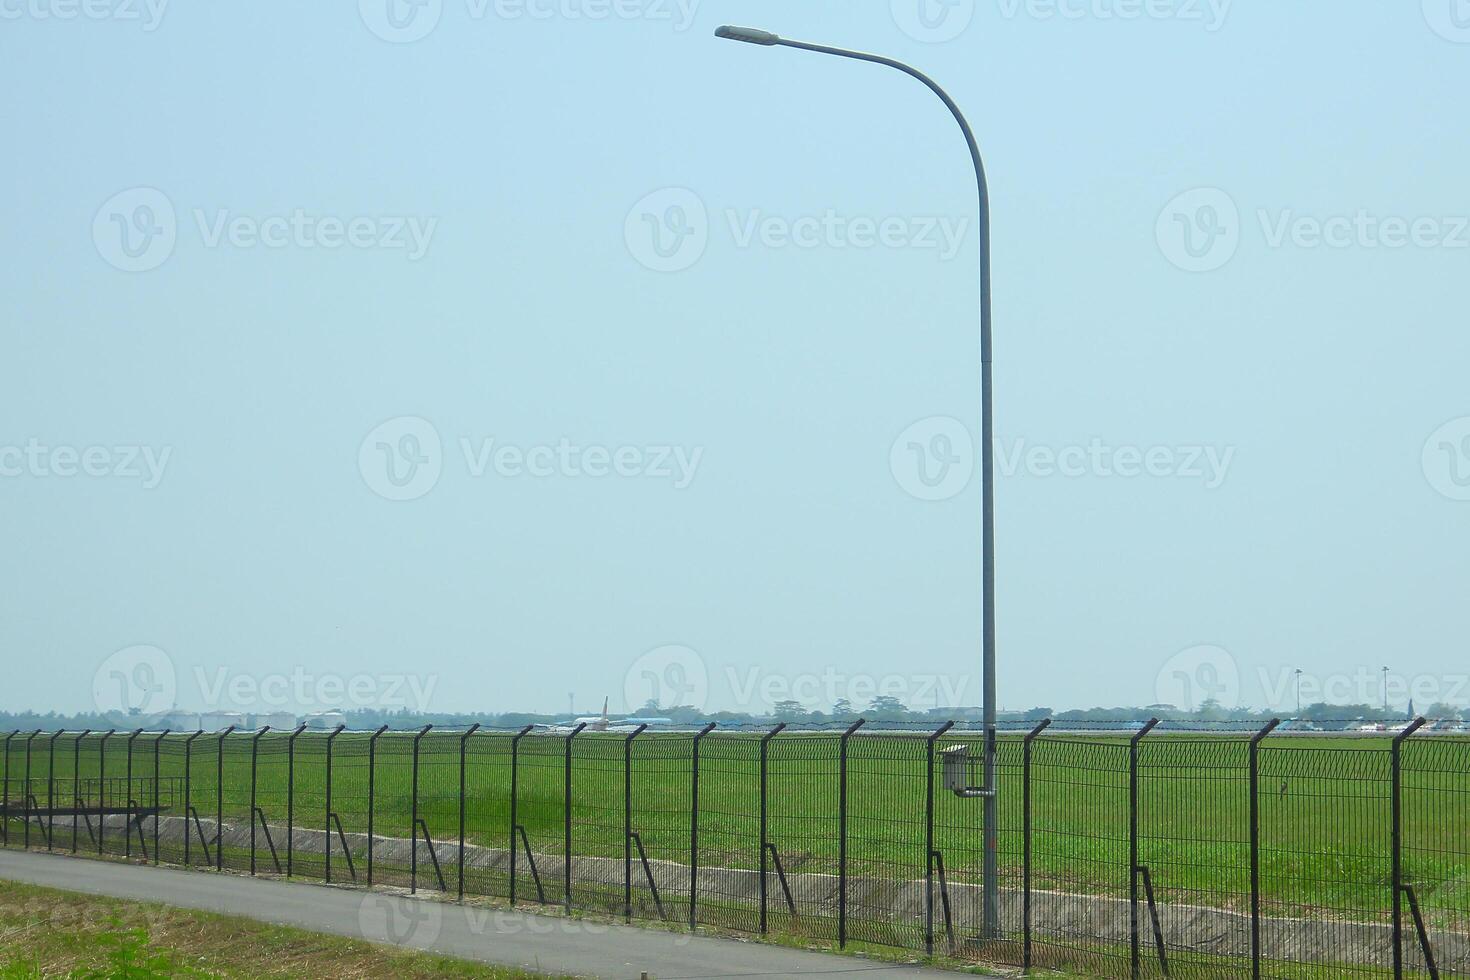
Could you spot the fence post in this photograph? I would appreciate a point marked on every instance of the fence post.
(765, 743)
(5, 790)
(219, 800)
(1026, 841)
(463, 739)
(1133, 844)
(26, 803)
(842, 834)
(566, 895)
(413, 826)
(515, 745)
(327, 817)
(1396, 841)
(929, 837)
(51, 788)
(372, 790)
(102, 786)
(254, 760)
(76, 784)
(157, 799)
(694, 821)
(188, 791)
(291, 795)
(628, 822)
(1255, 832)
(128, 825)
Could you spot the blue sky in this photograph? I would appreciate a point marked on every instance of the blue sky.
(510, 349)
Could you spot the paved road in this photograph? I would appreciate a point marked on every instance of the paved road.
(535, 942)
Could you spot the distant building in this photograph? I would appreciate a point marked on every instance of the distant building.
(218, 721)
(325, 721)
(276, 721)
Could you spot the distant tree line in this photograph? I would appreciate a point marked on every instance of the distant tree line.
(881, 709)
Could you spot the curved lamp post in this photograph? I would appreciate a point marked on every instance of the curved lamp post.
(987, 440)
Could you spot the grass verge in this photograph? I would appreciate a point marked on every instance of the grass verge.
(49, 933)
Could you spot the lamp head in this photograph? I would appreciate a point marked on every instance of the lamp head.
(748, 34)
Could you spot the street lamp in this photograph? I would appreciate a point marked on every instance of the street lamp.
(1298, 692)
(987, 439)
(1385, 690)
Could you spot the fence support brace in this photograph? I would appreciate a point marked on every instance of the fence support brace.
(127, 827)
(413, 827)
(291, 796)
(765, 842)
(254, 761)
(694, 822)
(1134, 952)
(219, 801)
(628, 822)
(515, 746)
(566, 894)
(1396, 838)
(842, 834)
(372, 791)
(463, 745)
(1026, 840)
(76, 784)
(330, 813)
(1255, 832)
(929, 837)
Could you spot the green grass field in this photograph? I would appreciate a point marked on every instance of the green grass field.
(1324, 806)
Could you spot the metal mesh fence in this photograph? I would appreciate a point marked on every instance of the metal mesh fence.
(1135, 853)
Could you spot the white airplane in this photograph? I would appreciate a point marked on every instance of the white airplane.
(590, 723)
